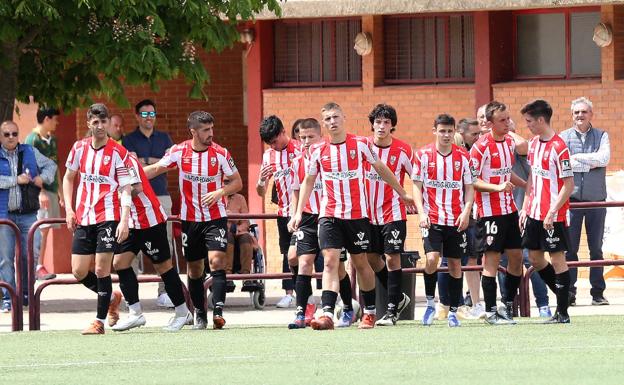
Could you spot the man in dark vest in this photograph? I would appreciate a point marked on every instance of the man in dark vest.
(589, 156)
(23, 171)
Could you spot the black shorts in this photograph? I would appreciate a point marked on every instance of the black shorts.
(535, 237)
(446, 240)
(499, 233)
(352, 234)
(286, 238)
(152, 241)
(307, 235)
(388, 238)
(198, 238)
(98, 238)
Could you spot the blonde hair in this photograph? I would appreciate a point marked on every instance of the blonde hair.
(458, 139)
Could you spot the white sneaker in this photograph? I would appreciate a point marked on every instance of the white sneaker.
(478, 311)
(130, 322)
(164, 301)
(177, 323)
(286, 301)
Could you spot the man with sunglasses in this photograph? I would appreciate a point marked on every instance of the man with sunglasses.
(149, 145)
(20, 165)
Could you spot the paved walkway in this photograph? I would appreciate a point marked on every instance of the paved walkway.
(72, 307)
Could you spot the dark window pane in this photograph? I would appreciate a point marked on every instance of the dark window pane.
(541, 44)
(585, 54)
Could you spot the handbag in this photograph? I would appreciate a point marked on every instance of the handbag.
(30, 192)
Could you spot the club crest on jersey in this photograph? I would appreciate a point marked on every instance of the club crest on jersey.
(352, 154)
(546, 154)
(392, 160)
(213, 161)
(457, 165)
(106, 160)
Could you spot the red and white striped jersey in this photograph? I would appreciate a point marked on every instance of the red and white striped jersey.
(492, 162)
(384, 203)
(550, 164)
(146, 210)
(102, 173)
(341, 167)
(299, 166)
(199, 173)
(443, 178)
(281, 162)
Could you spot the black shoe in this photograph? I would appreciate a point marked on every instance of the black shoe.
(571, 299)
(201, 321)
(599, 301)
(499, 319)
(508, 311)
(468, 300)
(558, 318)
(229, 286)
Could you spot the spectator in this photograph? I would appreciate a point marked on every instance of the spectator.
(51, 198)
(116, 128)
(238, 234)
(19, 167)
(589, 156)
(149, 145)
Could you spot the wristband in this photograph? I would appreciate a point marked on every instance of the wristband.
(261, 183)
(126, 200)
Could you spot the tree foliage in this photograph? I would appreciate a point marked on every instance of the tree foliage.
(62, 51)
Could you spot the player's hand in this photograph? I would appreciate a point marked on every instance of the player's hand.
(61, 201)
(266, 172)
(293, 224)
(212, 197)
(122, 231)
(549, 221)
(23, 179)
(44, 201)
(506, 186)
(38, 181)
(522, 217)
(424, 223)
(463, 221)
(70, 219)
(410, 204)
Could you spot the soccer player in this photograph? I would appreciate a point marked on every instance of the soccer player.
(343, 213)
(444, 194)
(148, 233)
(388, 215)
(544, 217)
(277, 163)
(492, 158)
(100, 220)
(202, 165)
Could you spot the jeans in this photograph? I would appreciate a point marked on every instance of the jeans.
(540, 291)
(594, 228)
(7, 251)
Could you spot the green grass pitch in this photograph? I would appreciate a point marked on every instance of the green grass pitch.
(590, 350)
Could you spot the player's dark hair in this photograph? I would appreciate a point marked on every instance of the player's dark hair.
(98, 110)
(538, 108)
(46, 112)
(197, 118)
(492, 107)
(384, 111)
(270, 128)
(310, 123)
(445, 119)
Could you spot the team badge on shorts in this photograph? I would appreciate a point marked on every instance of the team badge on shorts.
(489, 240)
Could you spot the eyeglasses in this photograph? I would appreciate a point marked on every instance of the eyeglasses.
(10, 134)
(145, 114)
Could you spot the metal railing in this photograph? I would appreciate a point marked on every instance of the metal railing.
(17, 299)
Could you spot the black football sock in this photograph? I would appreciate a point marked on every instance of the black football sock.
(303, 289)
(104, 291)
(563, 287)
(198, 295)
(90, 281)
(512, 282)
(382, 275)
(328, 301)
(218, 291)
(430, 285)
(455, 292)
(369, 300)
(173, 286)
(295, 272)
(129, 285)
(346, 294)
(394, 290)
(548, 276)
(489, 293)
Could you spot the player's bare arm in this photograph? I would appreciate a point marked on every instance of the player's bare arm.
(68, 194)
(522, 145)
(482, 186)
(418, 198)
(304, 195)
(522, 214)
(126, 198)
(464, 219)
(265, 174)
(153, 170)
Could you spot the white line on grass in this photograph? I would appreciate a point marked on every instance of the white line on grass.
(37, 365)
